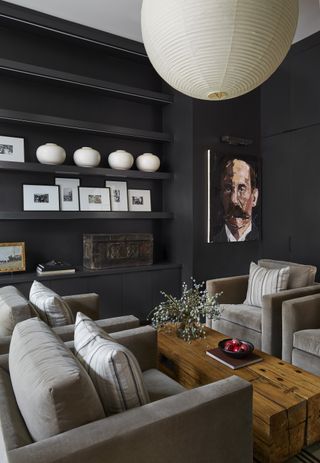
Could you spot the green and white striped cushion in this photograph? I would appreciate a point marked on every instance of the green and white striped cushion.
(50, 307)
(263, 281)
(113, 369)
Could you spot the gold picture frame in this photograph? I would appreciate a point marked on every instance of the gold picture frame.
(12, 257)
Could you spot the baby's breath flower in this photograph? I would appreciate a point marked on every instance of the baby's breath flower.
(187, 312)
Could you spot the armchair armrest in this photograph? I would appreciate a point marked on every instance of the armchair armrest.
(234, 288)
(89, 304)
(110, 325)
(185, 428)
(298, 314)
(272, 316)
(66, 332)
(142, 341)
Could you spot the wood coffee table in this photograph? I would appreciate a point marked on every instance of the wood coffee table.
(286, 399)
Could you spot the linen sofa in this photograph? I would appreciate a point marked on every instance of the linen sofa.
(209, 423)
(301, 332)
(260, 325)
(13, 302)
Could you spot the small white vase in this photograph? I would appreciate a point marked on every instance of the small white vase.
(120, 160)
(50, 153)
(148, 162)
(86, 157)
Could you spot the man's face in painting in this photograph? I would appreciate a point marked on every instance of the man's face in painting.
(239, 196)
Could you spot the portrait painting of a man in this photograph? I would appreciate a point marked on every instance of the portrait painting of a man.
(233, 198)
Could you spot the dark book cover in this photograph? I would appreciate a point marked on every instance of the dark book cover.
(55, 265)
(231, 362)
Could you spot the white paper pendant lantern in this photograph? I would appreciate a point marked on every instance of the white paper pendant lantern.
(217, 49)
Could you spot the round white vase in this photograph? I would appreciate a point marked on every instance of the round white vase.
(148, 162)
(120, 160)
(50, 153)
(86, 157)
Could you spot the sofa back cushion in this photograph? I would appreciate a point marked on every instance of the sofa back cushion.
(113, 368)
(52, 389)
(50, 306)
(300, 275)
(14, 308)
(263, 281)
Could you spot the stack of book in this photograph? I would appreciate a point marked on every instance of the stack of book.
(55, 267)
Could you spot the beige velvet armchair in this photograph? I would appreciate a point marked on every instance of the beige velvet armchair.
(260, 325)
(178, 426)
(301, 332)
(14, 301)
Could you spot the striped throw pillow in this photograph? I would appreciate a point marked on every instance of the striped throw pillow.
(114, 370)
(263, 281)
(50, 307)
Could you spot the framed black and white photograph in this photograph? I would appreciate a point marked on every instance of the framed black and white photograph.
(139, 200)
(118, 195)
(94, 199)
(11, 149)
(12, 257)
(234, 198)
(40, 198)
(69, 193)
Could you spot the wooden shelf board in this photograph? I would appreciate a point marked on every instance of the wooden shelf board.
(81, 272)
(82, 215)
(94, 127)
(82, 81)
(81, 171)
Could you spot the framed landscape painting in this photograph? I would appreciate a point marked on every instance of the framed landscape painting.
(234, 198)
(12, 257)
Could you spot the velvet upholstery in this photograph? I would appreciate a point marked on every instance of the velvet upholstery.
(234, 292)
(188, 427)
(301, 332)
(89, 304)
(300, 275)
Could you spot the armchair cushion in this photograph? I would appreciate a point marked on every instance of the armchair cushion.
(14, 308)
(113, 368)
(242, 314)
(300, 275)
(263, 281)
(52, 389)
(51, 308)
(160, 385)
(307, 341)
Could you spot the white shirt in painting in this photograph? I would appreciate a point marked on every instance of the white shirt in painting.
(242, 238)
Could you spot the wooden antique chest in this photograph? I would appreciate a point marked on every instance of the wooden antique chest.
(102, 250)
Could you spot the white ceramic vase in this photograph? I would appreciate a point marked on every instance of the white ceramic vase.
(86, 157)
(120, 160)
(50, 153)
(148, 162)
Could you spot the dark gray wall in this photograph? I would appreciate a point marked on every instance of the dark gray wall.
(290, 115)
(238, 117)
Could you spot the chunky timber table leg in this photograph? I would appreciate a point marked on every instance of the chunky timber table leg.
(286, 399)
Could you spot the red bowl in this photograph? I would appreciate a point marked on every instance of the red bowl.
(237, 355)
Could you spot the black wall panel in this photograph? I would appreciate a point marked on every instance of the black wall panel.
(290, 112)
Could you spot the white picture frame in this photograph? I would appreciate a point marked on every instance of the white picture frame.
(94, 199)
(41, 198)
(118, 195)
(139, 200)
(69, 193)
(11, 149)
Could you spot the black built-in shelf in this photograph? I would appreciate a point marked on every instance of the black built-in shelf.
(126, 91)
(79, 215)
(81, 171)
(31, 20)
(82, 272)
(83, 126)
